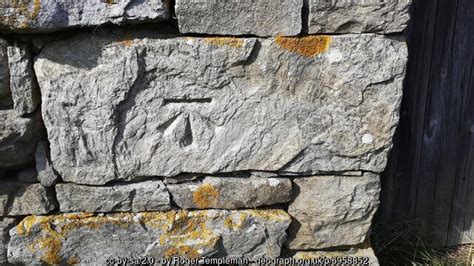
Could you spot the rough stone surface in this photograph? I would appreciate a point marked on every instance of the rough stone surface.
(333, 16)
(5, 93)
(231, 193)
(52, 15)
(237, 17)
(331, 211)
(25, 91)
(85, 239)
(28, 176)
(118, 108)
(364, 256)
(25, 199)
(46, 173)
(138, 197)
(5, 225)
(18, 138)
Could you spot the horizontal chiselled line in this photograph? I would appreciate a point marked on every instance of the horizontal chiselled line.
(198, 100)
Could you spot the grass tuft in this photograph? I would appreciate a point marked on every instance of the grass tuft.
(407, 243)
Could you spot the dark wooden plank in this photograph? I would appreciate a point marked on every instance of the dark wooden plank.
(430, 173)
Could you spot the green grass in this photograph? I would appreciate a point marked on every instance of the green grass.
(406, 243)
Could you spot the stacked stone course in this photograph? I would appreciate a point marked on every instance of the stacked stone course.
(211, 128)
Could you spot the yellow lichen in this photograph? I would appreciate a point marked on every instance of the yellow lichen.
(270, 214)
(24, 227)
(21, 15)
(73, 261)
(206, 196)
(51, 247)
(182, 252)
(308, 46)
(231, 224)
(221, 41)
(188, 233)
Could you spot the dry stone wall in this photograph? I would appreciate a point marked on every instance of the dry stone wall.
(204, 128)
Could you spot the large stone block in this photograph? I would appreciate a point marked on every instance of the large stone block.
(18, 138)
(138, 197)
(334, 16)
(237, 17)
(231, 193)
(44, 169)
(25, 91)
(52, 15)
(118, 108)
(24, 199)
(5, 225)
(87, 239)
(332, 211)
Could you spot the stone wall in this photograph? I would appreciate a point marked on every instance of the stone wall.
(204, 128)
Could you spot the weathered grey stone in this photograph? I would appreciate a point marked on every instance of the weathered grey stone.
(331, 211)
(25, 199)
(118, 109)
(46, 173)
(18, 138)
(334, 16)
(5, 93)
(237, 17)
(231, 193)
(86, 239)
(52, 15)
(28, 176)
(138, 197)
(364, 256)
(23, 85)
(5, 225)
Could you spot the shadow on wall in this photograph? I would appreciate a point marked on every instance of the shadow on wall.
(430, 175)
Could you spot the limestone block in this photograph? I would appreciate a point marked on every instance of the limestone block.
(24, 199)
(240, 17)
(231, 193)
(53, 15)
(137, 197)
(23, 85)
(18, 138)
(332, 211)
(117, 108)
(334, 16)
(87, 239)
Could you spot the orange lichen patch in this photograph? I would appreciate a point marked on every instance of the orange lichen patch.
(127, 43)
(182, 252)
(205, 196)
(308, 46)
(50, 247)
(222, 41)
(230, 223)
